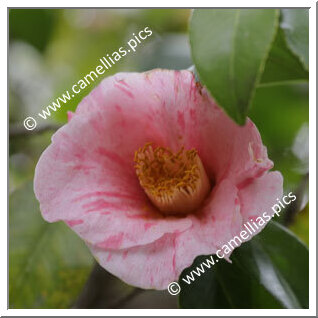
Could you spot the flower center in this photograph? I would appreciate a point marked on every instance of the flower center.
(176, 183)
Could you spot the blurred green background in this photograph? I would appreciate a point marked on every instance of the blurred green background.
(49, 51)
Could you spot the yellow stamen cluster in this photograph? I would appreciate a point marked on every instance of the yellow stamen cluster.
(174, 182)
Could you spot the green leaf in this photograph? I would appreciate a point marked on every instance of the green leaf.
(290, 257)
(49, 264)
(270, 271)
(279, 112)
(300, 225)
(205, 292)
(282, 66)
(229, 49)
(295, 23)
(34, 26)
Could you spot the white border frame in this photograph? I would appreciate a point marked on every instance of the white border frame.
(312, 163)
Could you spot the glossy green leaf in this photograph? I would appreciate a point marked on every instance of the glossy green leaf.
(49, 264)
(290, 258)
(270, 271)
(205, 292)
(282, 66)
(295, 23)
(229, 48)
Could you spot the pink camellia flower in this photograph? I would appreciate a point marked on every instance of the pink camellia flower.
(151, 173)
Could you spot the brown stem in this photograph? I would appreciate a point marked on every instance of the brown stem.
(119, 304)
(101, 290)
(18, 130)
(294, 208)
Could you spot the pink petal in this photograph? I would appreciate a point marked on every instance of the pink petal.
(225, 214)
(76, 178)
(260, 195)
(86, 177)
(176, 111)
(218, 222)
(147, 266)
(70, 115)
(163, 260)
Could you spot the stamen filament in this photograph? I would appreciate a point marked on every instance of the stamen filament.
(176, 183)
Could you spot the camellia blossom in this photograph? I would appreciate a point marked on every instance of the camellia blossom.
(151, 173)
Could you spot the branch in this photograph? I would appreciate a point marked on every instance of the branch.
(19, 130)
(294, 208)
(119, 304)
(100, 291)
